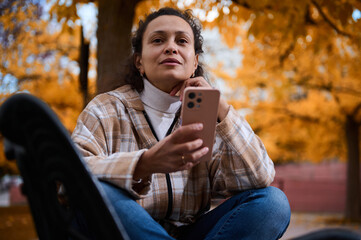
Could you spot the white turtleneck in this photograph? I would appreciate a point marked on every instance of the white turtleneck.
(160, 107)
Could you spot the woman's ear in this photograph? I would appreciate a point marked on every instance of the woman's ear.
(138, 63)
(196, 62)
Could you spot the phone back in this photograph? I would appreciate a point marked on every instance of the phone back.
(200, 105)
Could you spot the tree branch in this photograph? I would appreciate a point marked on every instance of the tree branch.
(247, 6)
(356, 111)
(328, 20)
(28, 77)
(333, 90)
(350, 91)
(20, 78)
(308, 18)
(327, 87)
(286, 113)
(242, 4)
(301, 117)
(286, 53)
(298, 116)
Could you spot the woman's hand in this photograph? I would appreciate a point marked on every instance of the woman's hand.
(223, 106)
(179, 151)
(191, 82)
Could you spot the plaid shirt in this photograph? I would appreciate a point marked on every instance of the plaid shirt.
(112, 134)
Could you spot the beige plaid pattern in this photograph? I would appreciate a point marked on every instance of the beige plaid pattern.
(112, 133)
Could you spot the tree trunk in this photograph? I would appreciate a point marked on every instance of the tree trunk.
(115, 21)
(84, 67)
(353, 209)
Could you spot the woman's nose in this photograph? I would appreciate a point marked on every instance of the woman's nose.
(170, 49)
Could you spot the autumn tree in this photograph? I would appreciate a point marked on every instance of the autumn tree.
(301, 79)
(37, 57)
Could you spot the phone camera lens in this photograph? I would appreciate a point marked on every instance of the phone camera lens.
(199, 100)
(190, 105)
(192, 95)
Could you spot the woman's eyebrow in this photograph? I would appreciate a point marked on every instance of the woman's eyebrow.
(162, 32)
(182, 32)
(158, 32)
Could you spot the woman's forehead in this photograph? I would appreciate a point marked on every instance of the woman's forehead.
(168, 23)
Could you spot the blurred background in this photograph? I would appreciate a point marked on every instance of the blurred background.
(291, 68)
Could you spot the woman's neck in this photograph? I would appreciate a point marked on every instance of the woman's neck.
(158, 99)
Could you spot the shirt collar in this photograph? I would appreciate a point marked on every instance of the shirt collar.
(158, 100)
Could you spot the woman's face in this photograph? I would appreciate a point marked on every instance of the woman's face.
(168, 55)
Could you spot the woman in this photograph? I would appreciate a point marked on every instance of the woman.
(132, 140)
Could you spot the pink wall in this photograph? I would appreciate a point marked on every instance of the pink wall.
(313, 188)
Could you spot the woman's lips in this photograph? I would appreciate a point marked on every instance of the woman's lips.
(170, 61)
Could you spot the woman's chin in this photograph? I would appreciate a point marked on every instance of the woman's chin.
(174, 76)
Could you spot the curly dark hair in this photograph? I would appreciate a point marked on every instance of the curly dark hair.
(133, 77)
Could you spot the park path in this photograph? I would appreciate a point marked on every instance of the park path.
(303, 223)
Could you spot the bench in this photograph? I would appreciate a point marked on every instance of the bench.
(47, 159)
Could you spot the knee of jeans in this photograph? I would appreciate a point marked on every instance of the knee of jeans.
(278, 204)
(114, 193)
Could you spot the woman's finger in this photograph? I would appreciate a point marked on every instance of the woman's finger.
(193, 82)
(191, 160)
(176, 89)
(186, 133)
(195, 155)
(188, 148)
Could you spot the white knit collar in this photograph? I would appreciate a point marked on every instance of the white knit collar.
(159, 100)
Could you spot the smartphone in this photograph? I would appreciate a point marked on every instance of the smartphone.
(200, 105)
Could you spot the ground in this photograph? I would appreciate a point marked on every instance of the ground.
(302, 223)
(16, 223)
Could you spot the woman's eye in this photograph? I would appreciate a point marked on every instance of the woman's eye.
(157, 40)
(182, 41)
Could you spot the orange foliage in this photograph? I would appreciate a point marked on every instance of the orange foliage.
(300, 75)
(43, 59)
(64, 99)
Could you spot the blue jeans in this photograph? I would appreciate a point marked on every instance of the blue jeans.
(252, 214)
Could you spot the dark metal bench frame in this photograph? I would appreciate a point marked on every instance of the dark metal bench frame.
(46, 157)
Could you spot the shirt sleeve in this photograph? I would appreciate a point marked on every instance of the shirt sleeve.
(102, 139)
(240, 160)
